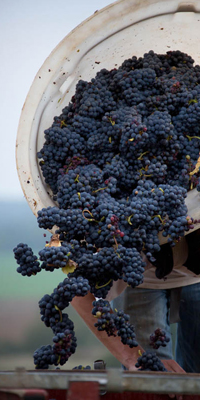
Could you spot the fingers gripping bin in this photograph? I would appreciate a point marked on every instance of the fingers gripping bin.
(111, 35)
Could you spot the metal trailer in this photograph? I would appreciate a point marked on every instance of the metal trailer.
(111, 384)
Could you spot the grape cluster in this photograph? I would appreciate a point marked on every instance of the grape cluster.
(72, 222)
(43, 357)
(54, 257)
(159, 338)
(125, 330)
(114, 324)
(64, 345)
(72, 287)
(52, 305)
(28, 263)
(105, 318)
(100, 268)
(133, 266)
(149, 361)
(64, 339)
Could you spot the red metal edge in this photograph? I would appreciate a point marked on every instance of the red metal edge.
(83, 391)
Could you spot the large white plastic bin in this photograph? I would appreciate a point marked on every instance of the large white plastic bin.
(111, 35)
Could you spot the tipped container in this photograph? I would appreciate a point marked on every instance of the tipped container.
(111, 35)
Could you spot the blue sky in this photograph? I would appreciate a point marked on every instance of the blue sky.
(29, 31)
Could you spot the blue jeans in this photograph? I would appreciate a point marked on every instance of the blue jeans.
(150, 309)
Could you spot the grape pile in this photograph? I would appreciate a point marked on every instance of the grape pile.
(149, 361)
(119, 161)
(122, 156)
(159, 338)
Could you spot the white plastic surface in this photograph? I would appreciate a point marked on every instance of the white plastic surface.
(113, 34)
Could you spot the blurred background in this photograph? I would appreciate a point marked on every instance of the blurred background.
(29, 31)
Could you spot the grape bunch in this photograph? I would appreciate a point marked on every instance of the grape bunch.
(64, 345)
(125, 330)
(28, 263)
(54, 257)
(51, 306)
(149, 361)
(159, 338)
(105, 318)
(118, 161)
(114, 324)
(64, 339)
(43, 357)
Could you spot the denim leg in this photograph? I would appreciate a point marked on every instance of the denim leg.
(148, 310)
(188, 332)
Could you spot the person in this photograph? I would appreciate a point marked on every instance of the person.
(155, 304)
(174, 299)
(127, 356)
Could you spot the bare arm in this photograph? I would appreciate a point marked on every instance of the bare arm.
(128, 357)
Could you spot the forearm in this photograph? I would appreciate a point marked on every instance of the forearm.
(128, 357)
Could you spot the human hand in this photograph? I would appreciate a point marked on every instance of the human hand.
(161, 260)
(173, 366)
